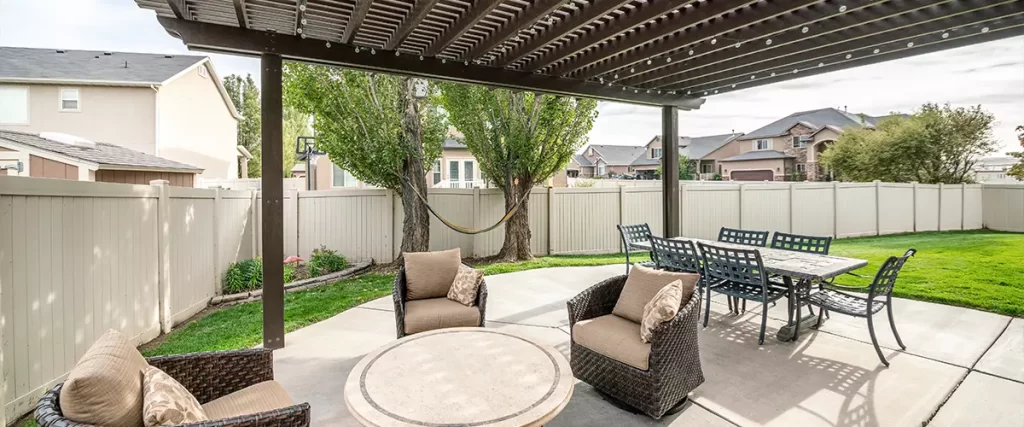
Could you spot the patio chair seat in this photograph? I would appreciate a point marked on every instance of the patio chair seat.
(614, 337)
(841, 302)
(261, 397)
(436, 313)
(749, 292)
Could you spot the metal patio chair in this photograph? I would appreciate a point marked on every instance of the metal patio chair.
(632, 234)
(743, 237)
(879, 296)
(738, 273)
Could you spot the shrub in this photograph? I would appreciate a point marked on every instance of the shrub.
(584, 183)
(326, 261)
(244, 276)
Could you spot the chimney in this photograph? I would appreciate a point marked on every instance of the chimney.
(61, 51)
(125, 64)
(844, 109)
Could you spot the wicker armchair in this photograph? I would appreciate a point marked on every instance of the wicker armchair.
(398, 294)
(207, 376)
(674, 367)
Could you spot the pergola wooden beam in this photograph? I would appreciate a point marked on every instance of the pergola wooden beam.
(241, 14)
(412, 20)
(179, 9)
(300, 11)
(580, 18)
(527, 19)
(640, 16)
(473, 15)
(879, 33)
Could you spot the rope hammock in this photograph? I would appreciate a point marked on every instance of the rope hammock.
(463, 230)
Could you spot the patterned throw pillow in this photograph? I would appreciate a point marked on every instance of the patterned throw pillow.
(166, 402)
(464, 288)
(662, 308)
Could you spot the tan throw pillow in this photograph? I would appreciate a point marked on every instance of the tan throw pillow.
(166, 402)
(465, 286)
(430, 274)
(661, 309)
(641, 286)
(105, 387)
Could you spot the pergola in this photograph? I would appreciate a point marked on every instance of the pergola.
(666, 53)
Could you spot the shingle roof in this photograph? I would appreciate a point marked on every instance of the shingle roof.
(758, 155)
(582, 161)
(619, 155)
(703, 145)
(453, 143)
(104, 154)
(815, 118)
(17, 63)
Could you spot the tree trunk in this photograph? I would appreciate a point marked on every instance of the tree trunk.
(416, 225)
(516, 246)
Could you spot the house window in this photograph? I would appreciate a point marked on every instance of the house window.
(600, 169)
(707, 168)
(342, 178)
(800, 141)
(453, 170)
(801, 168)
(437, 171)
(69, 99)
(202, 71)
(591, 151)
(655, 153)
(13, 105)
(763, 144)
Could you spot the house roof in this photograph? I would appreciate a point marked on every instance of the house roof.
(815, 119)
(701, 146)
(582, 161)
(758, 155)
(452, 143)
(95, 67)
(618, 155)
(106, 156)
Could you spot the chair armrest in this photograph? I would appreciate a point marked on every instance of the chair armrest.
(211, 375)
(398, 295)
(857, 275)
(292, 416)
(481, 302)
(674, 347)
(847, 287)
(598, 300)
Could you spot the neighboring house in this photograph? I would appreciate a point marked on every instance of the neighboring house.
(62, 156)
(457, 167)
(643, 161)
(608, 160)
(993, 170)
(789, 148)
(171, 106)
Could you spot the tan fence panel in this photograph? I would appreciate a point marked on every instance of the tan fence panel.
(193, 274)
(75, 261)
(896, 204)
(856, 206)
(766, 207)
(813, 209)
(1004, 207)
(584, 220)
(952, 197)
(644, 205)
(973, 204)
(708, 208)
(490, 208)
(235, 230)
(927, 207)
(356, 223)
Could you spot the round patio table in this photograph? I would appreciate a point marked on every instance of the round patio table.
(459, 376)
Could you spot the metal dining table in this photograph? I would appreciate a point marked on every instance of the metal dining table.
(799, 271)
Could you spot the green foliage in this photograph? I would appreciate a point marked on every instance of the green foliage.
(326, 261)
(584, 183)
(687, 168)
(518, 135)
(359, 120)
(934, 145)
(1017, 170)
(296, 124)
(246, 97)
(244, 276)
(717, 177)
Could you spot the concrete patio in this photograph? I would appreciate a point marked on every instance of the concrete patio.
(962, 367)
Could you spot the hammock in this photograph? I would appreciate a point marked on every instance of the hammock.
(460, 229)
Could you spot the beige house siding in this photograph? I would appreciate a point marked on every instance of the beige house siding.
(40, 167)
(724, 152)
(196, 126)
(460, 154)
(118, 115)
(777, 166)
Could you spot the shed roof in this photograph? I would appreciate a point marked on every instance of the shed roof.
(758, 155)
(107, 156)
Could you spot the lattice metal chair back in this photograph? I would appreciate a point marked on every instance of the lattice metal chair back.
(795, 242)
(885, 279)
(738, 273)
(632, 234)
(676, 255)
(743, 237)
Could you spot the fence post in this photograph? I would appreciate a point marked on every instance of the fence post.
(622, 213)
(682, 208)
(914, 208)
(476, 220)
(740, 204)
(216, 241)
(878, 207)
(294, 208)
(254, 223)
(938, 226)
(163, 239)
(552, 221)
(835, 209)
(792, 207)
(963, 204)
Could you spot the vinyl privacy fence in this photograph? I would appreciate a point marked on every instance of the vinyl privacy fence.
(78, 258)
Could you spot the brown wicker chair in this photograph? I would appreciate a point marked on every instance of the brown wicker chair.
(674, 367)
(398, 294)
(207, 376)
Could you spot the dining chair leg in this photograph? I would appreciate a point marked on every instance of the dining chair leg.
(707, 311)
(627, 261)
(744, 309)
(892, 323)
(731, 311)
(764, 322)
(821, 312)
(874, 341)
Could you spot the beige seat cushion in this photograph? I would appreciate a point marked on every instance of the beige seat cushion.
(430, 274)
(437, 313)
(661, 309)
(641, 286)
(615, 337)
(464, 288)
(262, 397)
(105, 387)
(166, 402)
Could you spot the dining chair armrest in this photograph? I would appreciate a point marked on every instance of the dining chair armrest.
(857, 275)
(848, 287)
(598, 300)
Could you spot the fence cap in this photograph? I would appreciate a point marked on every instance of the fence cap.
(160, 182)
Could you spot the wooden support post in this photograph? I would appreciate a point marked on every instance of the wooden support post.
(670, 169)
(273, 209)
(163, 239)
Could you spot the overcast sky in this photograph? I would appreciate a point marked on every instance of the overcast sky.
(990, 74)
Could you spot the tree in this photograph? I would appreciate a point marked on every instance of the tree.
(1017, 170)
(373, 126)
(520, 139)
(296, 124)
(246, 97)
(933, 145)
(687, 168)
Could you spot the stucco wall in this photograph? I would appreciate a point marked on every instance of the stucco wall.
(196, 126)
(455, 154)
(123, 116)
(724, 152)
